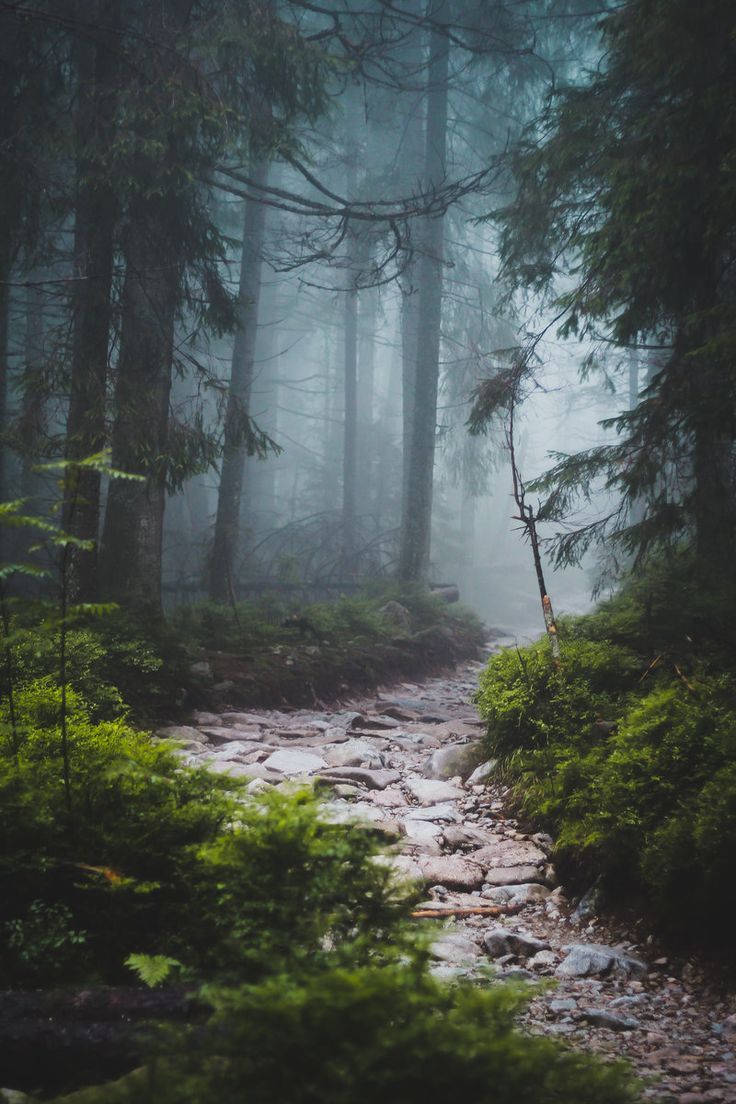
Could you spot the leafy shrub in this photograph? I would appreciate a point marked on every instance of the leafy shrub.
(154, 858)
(529, 704)
(355, 1036)
(648, 799)
(117, 665)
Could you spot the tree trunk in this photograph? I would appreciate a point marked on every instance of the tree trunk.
(94, 230)
(417, 514)
(5, 249)
(33, 401)
(227, 521)
(133, 531)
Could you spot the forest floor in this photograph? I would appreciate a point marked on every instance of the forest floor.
(399, 761)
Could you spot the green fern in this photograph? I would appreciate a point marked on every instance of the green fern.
(152, 970)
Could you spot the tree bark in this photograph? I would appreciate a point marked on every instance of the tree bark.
(417, 519)
(94, 231)
(227, 520)
(133, 532)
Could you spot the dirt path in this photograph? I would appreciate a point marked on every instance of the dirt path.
(404, 760)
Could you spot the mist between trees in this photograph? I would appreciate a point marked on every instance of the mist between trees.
(263, 256)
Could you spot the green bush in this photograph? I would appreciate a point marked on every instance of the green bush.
(355, 1036)
(627, 752)
(156, 858)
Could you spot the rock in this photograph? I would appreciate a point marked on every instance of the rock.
(464, 838)
(373, 779)
(482, 773)
(593, 959)
(456, 948)
(235, 750)
(600, 1017)
(294, 761)
(451, 871)
(392, 798)
(510, 853)
(219, 734)
(257, 770)
(502, 941)
(563, 1004)
(510, 875)
(380, 723)
(436, 813)
(14, 1096)
(404, 867)
(428, 792)
(233, 769)
(183, 734)
(396, 614)
(542, 960)
(423, 833)
(247, 719)
(347, 791)
(354, 753)
(588, 905)
(258, 786)
(456, 761)
(527, 893)
(201, 670)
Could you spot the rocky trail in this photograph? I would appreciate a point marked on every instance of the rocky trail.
(408, 761)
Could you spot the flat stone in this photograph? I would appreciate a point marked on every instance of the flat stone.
(354, 753)
(510, 875)
(595, 959)
(437, 813)
(429, 792)
(392, 797)
(424, 834)
(451, 871)
(378, 722)
(236, 749)
(219, 734)
(456, 948)
(373, 779)
(504, 853)
(243, 719)
(233, 768)
(465, 838)
(458, 760)
(294, 761)
(526, 893)
(185, 734)
(405, 868)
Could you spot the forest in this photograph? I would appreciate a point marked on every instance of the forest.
(367, 543)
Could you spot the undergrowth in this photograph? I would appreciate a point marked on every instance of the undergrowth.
(628, 751)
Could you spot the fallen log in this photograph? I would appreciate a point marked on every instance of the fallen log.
(479, 910)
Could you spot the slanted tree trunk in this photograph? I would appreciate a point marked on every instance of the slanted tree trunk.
(227, 521)
(94, 234)
(417, 514)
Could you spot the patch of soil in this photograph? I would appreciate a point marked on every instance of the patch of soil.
(311, 674)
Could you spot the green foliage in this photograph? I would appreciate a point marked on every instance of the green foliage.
(357, 1035)
(628, 752)
(152, 970)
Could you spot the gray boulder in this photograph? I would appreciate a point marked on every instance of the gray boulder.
(595, 959)
(501, 941)
(457, 760)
